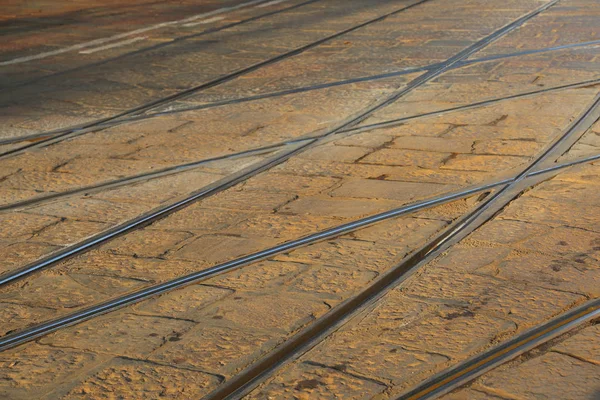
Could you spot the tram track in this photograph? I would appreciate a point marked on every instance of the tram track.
(494, 198)
(14, 339)
(309, 337)
(52, 137)
(49, 137)
(159, 46)
(258, 150)
(349, 122)
(478, 365)
(135, 111)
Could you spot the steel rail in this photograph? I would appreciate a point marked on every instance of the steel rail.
(249, 378)
(9, 341)
(144, 177)
(304, 89)
(348, 123)
(158, 46)
(148, 218)
(258, 150)
(426, 252)
(207, 85)
(478, 365)
(31, 333)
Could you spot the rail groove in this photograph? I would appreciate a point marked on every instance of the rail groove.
(207, 85)
(17, 338)
(344, 125)
(148, 218)
(478, 365)
(159, 45)
(220, 103)
(252, 376)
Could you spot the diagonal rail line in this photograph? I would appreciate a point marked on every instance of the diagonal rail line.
(258, 150)
(478, 365)
(316, 332)
(207, 85)
(348, 123)
(304, 89)
(12, 340)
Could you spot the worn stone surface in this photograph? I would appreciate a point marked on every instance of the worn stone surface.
(546, 376)
(513, 273)
(482, 120)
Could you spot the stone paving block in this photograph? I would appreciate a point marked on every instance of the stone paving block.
(184, 304)
(201, 219)
(442, 145)
(579, 275)
(251, 200)
(34, 371)
(467, 162)
(408, 158)
(394, 311)
(335, 169)
(9, 196)
(331, 281)
(281, 226)
(372, 140)
(140, 244)
(285, 312)
(523, 303)
(91, 210)
(18, 224)
(470, 394)
(212, 249)
(375, 358)
(120, 334)
(407, 231)
(290, 183)
(66, 292)
(312, 381)
(441, 176)
(448, 212)
(236, 347)
(17, 316)
(259, 276)
(545, 377)
(554, 213)
(383, 189)
(172, 187)
(62, 234)
(347, 253)
(337, 208)
(508, 231)
(16, 255)
(452, 331)
(97, 262)
(572, 244)
(334, 153)
(507, 147)
(583, 344)
(122, 378)
(567, 192)
(108, 286)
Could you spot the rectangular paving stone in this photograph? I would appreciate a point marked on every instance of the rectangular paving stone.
(123, 378)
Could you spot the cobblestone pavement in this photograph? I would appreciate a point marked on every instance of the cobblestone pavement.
(296, 199)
